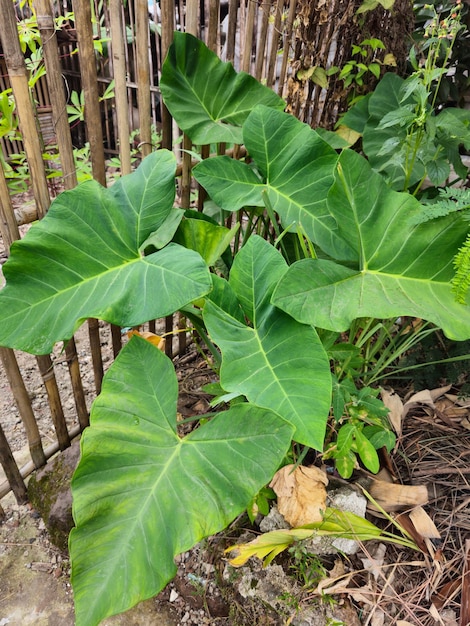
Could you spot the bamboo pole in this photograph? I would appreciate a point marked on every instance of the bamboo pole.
(83, 24)
(16, 482)
(274, 44)
(167, 9)
(55, 84)
(77, 386)
(24, 106)
(232, 29)
(8, 224)
(143, 77)
(286, 47)
(120, 89)
(23, 402)
(46, 368)
(261, 46)
(213, 27)
(248, 39)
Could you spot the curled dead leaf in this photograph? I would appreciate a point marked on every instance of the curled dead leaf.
(301, 494)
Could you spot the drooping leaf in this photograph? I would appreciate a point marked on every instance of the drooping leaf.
(397, 270)
(276, 362)
(207, 98)
(83, 260)
(142, 494)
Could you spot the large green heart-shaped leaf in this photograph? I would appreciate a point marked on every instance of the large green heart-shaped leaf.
(207, 98)
(142, 495)
(83, 260)
(297, 167)
(399, 269)
(277, 363)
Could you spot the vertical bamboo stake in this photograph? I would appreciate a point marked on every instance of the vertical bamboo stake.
(213, 27)
(286, 46)
(261, 47)
(55, 84)
(143, 76)
(167, 8)
(11, 470)
(274, 44)
(24, 106)
(23, 403)
(232, 29)
(88, 74)
(46, 368)
(119, 64)
(79, 396)
(248, 40)
(8, 225)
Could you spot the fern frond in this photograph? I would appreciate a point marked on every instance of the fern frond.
(461, 280)
(449, 201)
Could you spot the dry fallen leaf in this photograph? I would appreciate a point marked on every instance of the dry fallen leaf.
(393, 497)
(393, 402)
(426, 396)
(301, 494)
(423, 523)
(152, 338)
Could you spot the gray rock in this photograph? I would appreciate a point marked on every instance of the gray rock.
(49, 493)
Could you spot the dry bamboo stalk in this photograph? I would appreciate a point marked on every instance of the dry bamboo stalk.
(213, 26)
(286, 47)
(96, 357)
(16, 482)
(232, 29)
(29, 468)
(23, 402)
(46, 368)
(261, 45)
(120, 89)
(55, 84)
(191, 24)
(143, 77)
(77, 386)
(274, 44)
(24, 106)
(167, 9)
(83, 24)
(8, 225)
(248, 39)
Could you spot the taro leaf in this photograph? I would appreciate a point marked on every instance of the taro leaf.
(230, 183)
(142, 494)
(297, 167)
(207, 98)
(399, 270)
(82, 260)
(277, 363)
(208, 239)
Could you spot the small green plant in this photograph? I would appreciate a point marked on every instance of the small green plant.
(306, 567)
(406, 138)
(364, 61)
(139, 480)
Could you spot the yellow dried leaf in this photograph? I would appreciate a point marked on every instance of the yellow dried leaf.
(423, 523)
(301, 494)
(154, 339)
(393, 402)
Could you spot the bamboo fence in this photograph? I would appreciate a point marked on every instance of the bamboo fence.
(256, 36)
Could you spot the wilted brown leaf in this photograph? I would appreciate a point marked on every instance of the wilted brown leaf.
(301, 494)
(393, 402)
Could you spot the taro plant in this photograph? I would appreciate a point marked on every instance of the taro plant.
(142, 492)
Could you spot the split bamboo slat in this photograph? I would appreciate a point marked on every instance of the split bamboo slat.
(252, 37)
